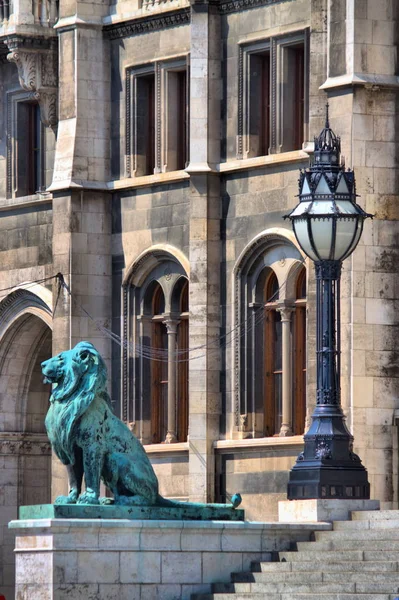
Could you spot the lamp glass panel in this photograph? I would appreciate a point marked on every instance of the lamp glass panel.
(301, 232)
(346, 229)
(342, 188)
(322, 230)
(305, 187)
(357, 238)
(322, 207)
(322, 187)
(300, 209)
(346, 207)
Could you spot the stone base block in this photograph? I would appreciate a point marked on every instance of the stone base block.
(74, 559)
(315, 510)
(217, 512)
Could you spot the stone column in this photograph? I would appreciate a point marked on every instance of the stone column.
(204, 249)
(286, 424)
(81, 203)
(171, 327)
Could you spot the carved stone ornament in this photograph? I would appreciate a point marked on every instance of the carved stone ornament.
(22, 446)
(37, 73)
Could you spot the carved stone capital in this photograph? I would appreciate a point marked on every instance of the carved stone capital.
(27, 68)
(48, 108)
(37, 73)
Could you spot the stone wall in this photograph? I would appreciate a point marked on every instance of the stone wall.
(125, 560)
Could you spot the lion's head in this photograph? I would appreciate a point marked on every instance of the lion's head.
(78, 376)
(81, 368)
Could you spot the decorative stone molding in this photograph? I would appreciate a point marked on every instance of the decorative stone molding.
(147, 24)
(17, 445)
(230, 6)
(37, 66)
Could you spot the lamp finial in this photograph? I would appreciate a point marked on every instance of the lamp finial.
(327, 125)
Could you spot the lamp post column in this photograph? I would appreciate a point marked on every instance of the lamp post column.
(328, 224)
(286, 424)
(171, 327)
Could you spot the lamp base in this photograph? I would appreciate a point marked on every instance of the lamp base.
(328, 481)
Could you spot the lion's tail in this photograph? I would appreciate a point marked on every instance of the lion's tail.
(234, 503)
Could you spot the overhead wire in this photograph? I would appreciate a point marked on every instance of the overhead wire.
(28, 284)
(181, 355)
(158, 354)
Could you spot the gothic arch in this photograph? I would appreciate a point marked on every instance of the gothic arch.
(161, 265)
(25, 341)
(275, 246)
(149, 258)
(25, 335)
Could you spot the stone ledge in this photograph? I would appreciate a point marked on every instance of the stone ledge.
(256, 443)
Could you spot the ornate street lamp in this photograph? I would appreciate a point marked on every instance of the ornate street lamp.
(328, 224)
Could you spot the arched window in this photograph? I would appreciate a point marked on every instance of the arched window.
(270, 352)
(155, 386)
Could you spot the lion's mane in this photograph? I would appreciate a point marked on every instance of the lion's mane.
(72, 396)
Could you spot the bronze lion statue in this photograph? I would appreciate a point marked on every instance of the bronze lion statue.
(90, 440)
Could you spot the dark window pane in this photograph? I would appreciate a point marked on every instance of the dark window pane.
(145, 125)
(259, 105)
(293, 93)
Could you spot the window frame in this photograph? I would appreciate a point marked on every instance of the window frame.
(161, 69)
(14, 100)
(276, 46)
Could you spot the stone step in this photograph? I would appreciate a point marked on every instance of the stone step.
(284, 587)
(328, 567)
(374, 515)
(333, 555)
(358, 534)
(294, 596)
(349, 544)
(319, 576)
(299, 577)
(364, 525)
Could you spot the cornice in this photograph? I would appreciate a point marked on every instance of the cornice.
(231, 6)
(147, 24)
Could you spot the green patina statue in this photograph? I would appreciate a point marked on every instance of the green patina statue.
(92, 442)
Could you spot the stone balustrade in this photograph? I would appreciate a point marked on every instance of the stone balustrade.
(28, 12)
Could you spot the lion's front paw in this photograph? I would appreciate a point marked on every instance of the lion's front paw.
(70, 499)
(107, 501)
(89, 497)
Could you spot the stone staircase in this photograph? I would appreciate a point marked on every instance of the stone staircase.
(357, 560)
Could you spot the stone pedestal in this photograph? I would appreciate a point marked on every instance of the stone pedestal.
(71, 559)
(305, 511)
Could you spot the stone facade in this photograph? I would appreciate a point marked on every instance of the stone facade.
(96, 184)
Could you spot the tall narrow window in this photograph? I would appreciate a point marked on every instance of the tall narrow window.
(299, 359)
(273, 357)
(29, 149)
(159, 369)
(293, 94)
(259, 105)
(145, 124)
